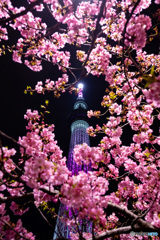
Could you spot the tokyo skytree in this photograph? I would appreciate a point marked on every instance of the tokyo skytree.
(78, 125)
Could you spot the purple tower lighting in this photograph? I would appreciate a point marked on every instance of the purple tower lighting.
(78, 124)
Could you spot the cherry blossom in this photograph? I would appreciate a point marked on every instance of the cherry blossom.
(152, 95)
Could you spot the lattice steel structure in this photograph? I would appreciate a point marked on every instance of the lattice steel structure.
(78, 125)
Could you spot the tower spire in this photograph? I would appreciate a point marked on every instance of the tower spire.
(80, 93)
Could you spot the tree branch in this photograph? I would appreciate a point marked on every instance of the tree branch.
(10, 138)
(95, 31)
(14, 16)
(44, 217)
(113, 232)
(125, 27)
(140, 224)
(47, 190)
(123, 45)
(18, 198)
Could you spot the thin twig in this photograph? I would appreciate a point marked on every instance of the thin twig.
(10, 138)
(14, 229)
(134, 62)
(145, 213)
(44, 217)
(95, 33)
(124, 32)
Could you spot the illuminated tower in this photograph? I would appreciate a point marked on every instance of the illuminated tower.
(78, 125)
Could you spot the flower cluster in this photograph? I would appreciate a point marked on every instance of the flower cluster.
(153, 95)
(136, 31)
(43, 167)
(94, 155)
(84, 193)
(98, 60)
(50, 85)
